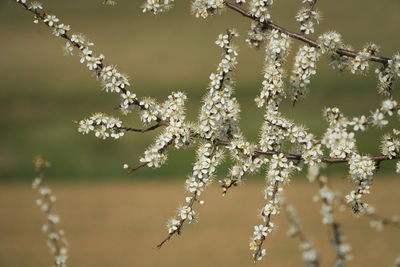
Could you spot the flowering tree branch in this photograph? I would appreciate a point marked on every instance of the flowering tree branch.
(217, 129)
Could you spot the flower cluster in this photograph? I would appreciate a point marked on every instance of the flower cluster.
(157, 6)
(102, 125)
(260, 9)
(276, 51)
(337, 138)
(257, 35)
(390, 144)
(304, 68)
(56, 239)
(388, 74)
(360, 62)
(311, 256)
(307, 16)
(361, 171)
(329, 42)
(205, 8)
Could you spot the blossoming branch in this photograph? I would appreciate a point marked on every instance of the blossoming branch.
(284, 147)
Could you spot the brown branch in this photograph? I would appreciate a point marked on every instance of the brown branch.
(161, 123)
(299, 157)
(138, 167)
(298, 36)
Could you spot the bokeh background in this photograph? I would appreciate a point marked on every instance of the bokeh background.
(113, 218)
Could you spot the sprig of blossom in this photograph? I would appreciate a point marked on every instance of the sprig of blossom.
(304, 68)
(273, 86)
(361, 171)
(377, 119)
(217, 120)
(307, 17)
(220, 111)
(102, 125)
(56, 242)
(208, 158)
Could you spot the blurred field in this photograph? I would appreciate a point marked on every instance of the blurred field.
(42, 92)
(118, 224)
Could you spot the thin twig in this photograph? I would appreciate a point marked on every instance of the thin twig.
(181, 222)
(162, 123)
(138, 167)
(300, 37)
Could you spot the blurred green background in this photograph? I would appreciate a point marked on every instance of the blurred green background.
(43, 92)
